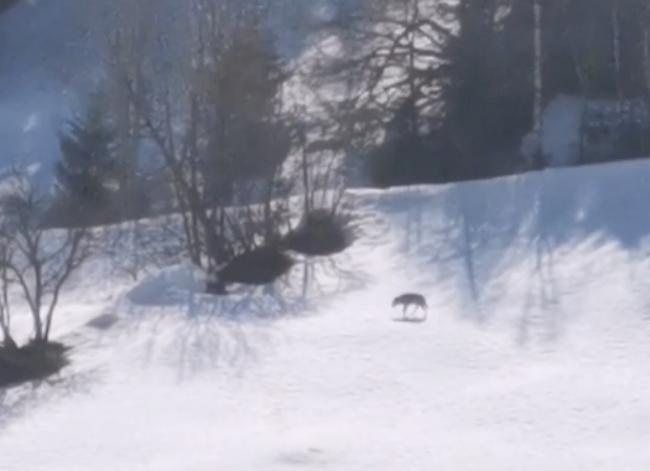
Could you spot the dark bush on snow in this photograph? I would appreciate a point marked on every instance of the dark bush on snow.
(321, 232)
(258, 267)
(36, 360)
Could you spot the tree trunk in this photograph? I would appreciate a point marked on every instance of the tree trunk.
(616, 46)
(305, 172)
(646, 47)
(7, 339)
(538, 83)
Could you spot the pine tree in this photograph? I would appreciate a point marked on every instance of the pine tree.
(482, 92)
(248, 140)
(88, 167)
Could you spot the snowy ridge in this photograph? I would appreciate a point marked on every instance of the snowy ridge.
(534, 355)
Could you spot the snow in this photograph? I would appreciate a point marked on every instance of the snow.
(561, 130)
(565, 115)
(534, 355)
(561, 121)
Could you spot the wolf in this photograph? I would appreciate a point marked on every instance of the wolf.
(411, 299)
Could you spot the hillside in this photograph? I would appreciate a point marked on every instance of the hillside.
(535, 351)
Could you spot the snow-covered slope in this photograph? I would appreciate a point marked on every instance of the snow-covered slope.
(534, 356)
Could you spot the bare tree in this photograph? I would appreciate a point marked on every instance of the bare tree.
(5, 312)
(395, 53)
(38, 261)
(320, 142)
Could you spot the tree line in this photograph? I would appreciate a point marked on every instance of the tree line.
(452, 88)
(435, 91)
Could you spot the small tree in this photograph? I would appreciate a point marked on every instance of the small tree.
(39, 263)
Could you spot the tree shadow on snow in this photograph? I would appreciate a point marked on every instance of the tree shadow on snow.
(194, 331)
(409, 320)
(26, 398)
(529, 222)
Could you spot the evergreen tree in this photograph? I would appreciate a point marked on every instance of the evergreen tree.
(480, 103)
(87, 169)
(248, 141)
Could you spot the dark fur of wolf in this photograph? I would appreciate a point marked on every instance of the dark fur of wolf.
(411, 299)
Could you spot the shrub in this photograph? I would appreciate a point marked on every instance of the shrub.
(321, 232)
(257, 267)
(36, 360)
